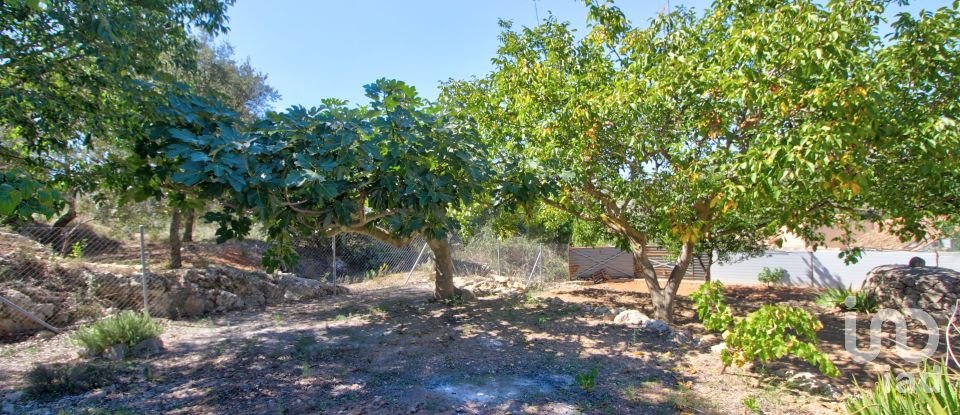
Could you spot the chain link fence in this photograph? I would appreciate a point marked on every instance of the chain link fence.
(55, 278)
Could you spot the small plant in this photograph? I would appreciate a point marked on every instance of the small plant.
(711, 308)
(55, 380)
(935, 390)
(588, 380)
(76, 250)
(127, 328)
(772, 276)
(846, 299)
(379, 272)
(752, 405)
(773, 332)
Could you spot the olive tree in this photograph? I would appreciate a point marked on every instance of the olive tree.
(750, 116)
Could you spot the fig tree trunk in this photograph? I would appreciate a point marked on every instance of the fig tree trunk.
(443, 265)
(189, 218)
(175, 259)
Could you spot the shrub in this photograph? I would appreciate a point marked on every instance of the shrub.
(51, 381)
(847, 300)
(935, 390)
(772, 276)
(773, 332)
(127, 328)
(711, 308)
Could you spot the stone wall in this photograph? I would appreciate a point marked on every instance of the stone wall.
(932, 289)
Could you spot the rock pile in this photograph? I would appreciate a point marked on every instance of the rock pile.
(934, 290)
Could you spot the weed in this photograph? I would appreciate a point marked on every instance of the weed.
(127, 328)
(752, 405)
(51, 381)
(935, 390)
(277, 319)
(588, 380)
(76, 250)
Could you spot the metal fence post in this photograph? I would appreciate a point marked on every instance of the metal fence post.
(333, 261)
(499, 267)
(143, 273)
(409, 274)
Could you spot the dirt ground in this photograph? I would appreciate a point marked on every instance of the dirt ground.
(386, 349)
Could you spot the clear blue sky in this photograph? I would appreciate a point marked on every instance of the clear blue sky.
(331, 48)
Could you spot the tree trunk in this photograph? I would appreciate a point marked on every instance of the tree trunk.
(190, 216)
(706, 265)
(70, 215)
(175, 258)
(661, 296)
(443, 265)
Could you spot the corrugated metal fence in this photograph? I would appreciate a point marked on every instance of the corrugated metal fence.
(823, 268)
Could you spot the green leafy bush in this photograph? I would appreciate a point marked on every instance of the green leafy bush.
(773, 332)
(711, 308)
(935, 390)
(127, 328)
(847, 300)
(771, 276)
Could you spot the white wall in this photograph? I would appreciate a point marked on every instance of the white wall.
(828, 269)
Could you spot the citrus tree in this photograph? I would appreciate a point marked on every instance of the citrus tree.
(750, 116)
(395, 169)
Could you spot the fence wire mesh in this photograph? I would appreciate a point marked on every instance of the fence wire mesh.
(52, 278)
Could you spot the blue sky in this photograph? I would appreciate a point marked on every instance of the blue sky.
(331, 48)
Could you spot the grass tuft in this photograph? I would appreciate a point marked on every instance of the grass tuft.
(127, 328)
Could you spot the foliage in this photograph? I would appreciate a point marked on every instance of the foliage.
(74, 78)
(771, 276)
(934, 390)
(587, 380)
(58, 379)
(750, 117)
(126, 328)
(775, 331)
(711, 307)
(846, 299)
(22, 197)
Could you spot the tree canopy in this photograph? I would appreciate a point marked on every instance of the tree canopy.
(751, 116)
(398, 168)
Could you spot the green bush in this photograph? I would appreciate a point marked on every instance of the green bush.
(127, 328)
(773, 332)
(847, 300)
(588, 380)
(772, 276)
(935, 390)
(51, 381)
(711, 308)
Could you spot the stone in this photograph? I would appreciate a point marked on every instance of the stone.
(710, 340)
(657, 326)
(14, 396)
(917, 262)
(932, 289)
(719, 347)
(148, 347)
(116, 352)
(9, 408)
(810, 383)
(630, 317)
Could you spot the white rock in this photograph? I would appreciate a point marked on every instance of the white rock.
(719, 347)
(630, 317)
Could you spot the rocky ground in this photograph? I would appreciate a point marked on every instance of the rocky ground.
(385, 348)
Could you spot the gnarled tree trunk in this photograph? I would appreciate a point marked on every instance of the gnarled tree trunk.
(443, 265)
(662, 296)
(175, 259)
